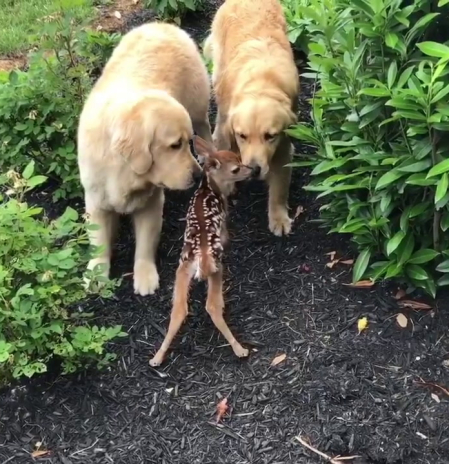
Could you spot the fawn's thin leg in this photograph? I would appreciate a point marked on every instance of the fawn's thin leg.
(215, 306)
(179, 311)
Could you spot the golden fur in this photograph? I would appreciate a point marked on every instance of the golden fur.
(256, 86)
(133, 138)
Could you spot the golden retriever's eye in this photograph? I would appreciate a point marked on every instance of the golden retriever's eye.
(235, 170)
(270, 137)
(242, 136)
(177, 145)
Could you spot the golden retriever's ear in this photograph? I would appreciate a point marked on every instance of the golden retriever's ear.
(292, 118)
(130, 139)
(227, 136)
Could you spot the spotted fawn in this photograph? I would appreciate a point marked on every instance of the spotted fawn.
(204, 241)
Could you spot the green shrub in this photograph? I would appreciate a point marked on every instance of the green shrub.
(297, 23)
(41, 279)
(39, 108)
(173, 9)
(380, 122)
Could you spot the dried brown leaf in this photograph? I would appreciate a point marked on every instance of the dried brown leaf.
(299, 210)
(332, 263)
(278, 359)
(331, 254)
(349, 262)
(402, 320)
(413, 304)
(400, 294)
(361, 284)
(222, 409)
(434, 385)
(40, 453)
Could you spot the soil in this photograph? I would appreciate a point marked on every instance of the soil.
(381, 394)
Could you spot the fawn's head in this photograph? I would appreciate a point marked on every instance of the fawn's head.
(225, 167)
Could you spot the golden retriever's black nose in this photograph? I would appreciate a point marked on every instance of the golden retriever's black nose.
(256, 172)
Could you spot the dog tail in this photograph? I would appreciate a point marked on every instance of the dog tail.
(207, 47)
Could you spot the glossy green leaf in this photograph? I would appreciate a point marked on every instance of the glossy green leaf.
(394, 242)
(415, 167)
(444, 280)
(435, 49)
(443, 267)
(423, 256)
(361, 265)
(388, 178)
(439, 168)
(441, 187)
(416, 272)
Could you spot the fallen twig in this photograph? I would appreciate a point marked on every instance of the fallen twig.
(335, 460)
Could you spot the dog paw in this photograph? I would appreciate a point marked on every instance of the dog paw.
(240, 351)
(146, 278)
(280, 223)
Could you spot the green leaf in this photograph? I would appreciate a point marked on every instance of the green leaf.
(35, 181)
(394, 242)
(392, 74)
(28, 171)
(445, 222)
(375, 92)
(416, 272)
(443, 267)
(388, 178)
(442, 3)
(415, 167)
(435, 49)
(391, 39)
(441, 188)
(440, 95)
(405, 250)
(361, 264)
(423, 256)
(405, 76)
(444, 280)
(439, 168)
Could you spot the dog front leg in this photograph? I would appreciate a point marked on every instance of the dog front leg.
(202, 128)
(279, 179)
(147, 227)
(102, 238)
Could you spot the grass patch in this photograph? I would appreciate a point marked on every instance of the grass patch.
(20, 19)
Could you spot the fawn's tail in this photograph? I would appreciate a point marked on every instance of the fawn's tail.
(206, 266)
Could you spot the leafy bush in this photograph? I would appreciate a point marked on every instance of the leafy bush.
(41, 265)
(173, 9)
(297, 23)
(39, 108)
(380, 119)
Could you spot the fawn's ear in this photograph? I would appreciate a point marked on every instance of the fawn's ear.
(203, 148)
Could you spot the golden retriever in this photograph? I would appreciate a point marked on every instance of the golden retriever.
(133, 139)
(256, 85)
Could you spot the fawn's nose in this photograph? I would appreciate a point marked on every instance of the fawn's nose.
(256, 172)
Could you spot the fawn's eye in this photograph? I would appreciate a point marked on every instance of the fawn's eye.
(235, 170)
(270, 137)
(177, 145)
(241, 136)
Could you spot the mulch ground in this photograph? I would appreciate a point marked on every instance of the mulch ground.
(348, 394)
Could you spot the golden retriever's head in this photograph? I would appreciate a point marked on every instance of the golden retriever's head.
(152, 135)
(256, 125)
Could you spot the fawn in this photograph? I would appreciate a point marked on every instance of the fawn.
(204, 241)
